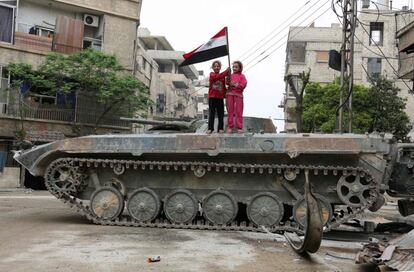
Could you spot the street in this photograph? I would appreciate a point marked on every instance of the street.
(39, 233)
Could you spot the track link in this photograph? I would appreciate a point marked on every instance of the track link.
(126, 220)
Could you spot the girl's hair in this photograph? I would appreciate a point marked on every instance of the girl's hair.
(214, 62)
(240, 65)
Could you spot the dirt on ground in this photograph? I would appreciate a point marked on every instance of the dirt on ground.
(39, 233)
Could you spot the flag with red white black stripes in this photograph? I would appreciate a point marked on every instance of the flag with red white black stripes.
(216, 47)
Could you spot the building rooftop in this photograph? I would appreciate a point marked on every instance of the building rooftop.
(160, 49)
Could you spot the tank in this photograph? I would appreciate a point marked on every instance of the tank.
(251, 124)
(249, 181)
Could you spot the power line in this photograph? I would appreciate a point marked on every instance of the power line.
(275, 35)
(366, 47)
(284, 36)
(387, 6)
(382, 53)
(270, 33)
(275, 49)
(386, 58)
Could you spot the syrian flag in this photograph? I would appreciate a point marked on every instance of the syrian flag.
(216, 47)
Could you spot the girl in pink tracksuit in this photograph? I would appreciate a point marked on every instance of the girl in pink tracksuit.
(234, 95)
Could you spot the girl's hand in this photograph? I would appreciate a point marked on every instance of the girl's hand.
(228, 70)
(234, 84)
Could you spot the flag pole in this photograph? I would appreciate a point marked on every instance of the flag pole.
(228, 50)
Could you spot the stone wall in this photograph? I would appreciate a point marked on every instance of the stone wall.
(10, 177)
(12, 54)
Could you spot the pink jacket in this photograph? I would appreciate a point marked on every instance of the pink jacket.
(240, 79)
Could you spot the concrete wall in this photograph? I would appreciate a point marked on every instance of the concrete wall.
(11, 54)
(10, 177)
(119, 37)
(124, 8)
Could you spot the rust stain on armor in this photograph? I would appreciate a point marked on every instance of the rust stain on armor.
(321, 144)
(196, 142)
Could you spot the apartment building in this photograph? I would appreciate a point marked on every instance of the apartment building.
(201, 86)
(31, 29)
(308, 47)
(171, 88)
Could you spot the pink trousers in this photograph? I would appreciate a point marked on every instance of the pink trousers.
(235, 109)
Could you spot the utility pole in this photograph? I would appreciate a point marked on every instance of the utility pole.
(347, 60)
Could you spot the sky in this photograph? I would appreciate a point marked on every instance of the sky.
(189, 23)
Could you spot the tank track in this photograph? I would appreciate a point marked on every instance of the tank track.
(126, 220)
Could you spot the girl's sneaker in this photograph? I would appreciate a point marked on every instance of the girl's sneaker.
(240, 131)
(221, 131)
(209, 131)
(229, 130)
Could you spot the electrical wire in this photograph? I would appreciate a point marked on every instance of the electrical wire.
(334, 9)
(275, 49)
(284, 36)
(386, 58)
(276, 28)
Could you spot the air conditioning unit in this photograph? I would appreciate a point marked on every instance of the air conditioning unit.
(91, 20)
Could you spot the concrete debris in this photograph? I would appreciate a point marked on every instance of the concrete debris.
(397, 254)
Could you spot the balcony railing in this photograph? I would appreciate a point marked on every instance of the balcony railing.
(33, 37)
(54, 113)
(27, 111)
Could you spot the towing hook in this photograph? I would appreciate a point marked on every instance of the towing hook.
(311, 242)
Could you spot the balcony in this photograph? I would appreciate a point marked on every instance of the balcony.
(179, 81)
(66, 37)
(34, 42)
(40, 107)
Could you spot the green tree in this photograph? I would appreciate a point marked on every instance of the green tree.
(298, 93)
(375, 108)
(87, 71)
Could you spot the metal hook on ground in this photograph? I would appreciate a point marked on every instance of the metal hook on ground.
(314, 227)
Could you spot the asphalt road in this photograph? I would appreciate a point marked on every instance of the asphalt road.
(39, 233)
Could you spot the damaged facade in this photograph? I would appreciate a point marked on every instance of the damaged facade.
(308, 47)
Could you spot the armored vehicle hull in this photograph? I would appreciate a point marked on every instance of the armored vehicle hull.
(220, 181)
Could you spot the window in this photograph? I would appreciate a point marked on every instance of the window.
(6, 22)
(4, 78)
(179, 107)
(95, 44)
(4, 93)
(296, 52)
(322, 56)
(165, 68)
(205, 114)
(160, 104)
(376, 33)
(296, 83)
(374, 66)
(43, 99)
(43, 31)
